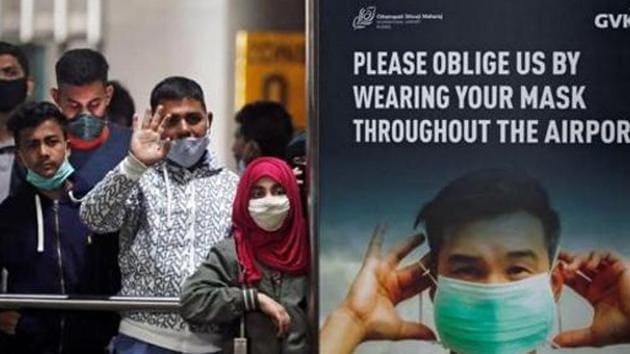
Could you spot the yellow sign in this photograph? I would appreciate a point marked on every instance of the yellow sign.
(271, 66)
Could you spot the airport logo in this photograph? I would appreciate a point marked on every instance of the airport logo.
(368, 16)
(364, 18)
(612, 21)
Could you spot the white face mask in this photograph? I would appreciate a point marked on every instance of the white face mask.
(269, 212)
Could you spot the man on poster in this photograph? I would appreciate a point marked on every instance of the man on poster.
(494, 239)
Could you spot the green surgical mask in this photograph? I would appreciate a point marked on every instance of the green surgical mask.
(507, 318)
(53, 182)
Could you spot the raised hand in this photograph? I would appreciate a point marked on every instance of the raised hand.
(146, 141)
(369, 312)
(602, 279)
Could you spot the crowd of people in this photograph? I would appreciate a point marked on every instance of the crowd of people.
(97, 200)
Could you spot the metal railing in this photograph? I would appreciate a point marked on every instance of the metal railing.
(92, 303)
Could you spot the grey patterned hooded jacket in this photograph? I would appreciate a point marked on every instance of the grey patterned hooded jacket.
(169, 217)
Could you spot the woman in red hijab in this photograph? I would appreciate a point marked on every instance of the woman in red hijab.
(259, 276)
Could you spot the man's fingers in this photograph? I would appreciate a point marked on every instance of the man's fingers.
(576, 338)
(414, 330)
(613, 257)
(374, 248)
(414, 278)
(165, 118)
(137, 122)
(146, 119)
(566, 256)
(578, 283)
(594, 260)
(592, 275)
(157, 118)
(402, 248)
(572, 261)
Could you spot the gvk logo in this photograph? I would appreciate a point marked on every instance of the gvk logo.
(612, 21)
(364, 18)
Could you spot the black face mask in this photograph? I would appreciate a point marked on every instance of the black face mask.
(12, 93)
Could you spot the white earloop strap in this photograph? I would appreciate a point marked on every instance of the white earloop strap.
(426, 272)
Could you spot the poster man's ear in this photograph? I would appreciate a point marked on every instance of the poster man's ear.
(557, 281)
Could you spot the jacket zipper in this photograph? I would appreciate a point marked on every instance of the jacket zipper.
(62, 282)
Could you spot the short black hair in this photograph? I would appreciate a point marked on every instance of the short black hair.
(485, 194)
(31, 115)
(16, 52)
(121, 107)
(268, 124)
(80, 67)
(176, 88)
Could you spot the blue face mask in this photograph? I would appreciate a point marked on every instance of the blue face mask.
(86, 126)
(188, 151)
(52, 183)
(508, 318)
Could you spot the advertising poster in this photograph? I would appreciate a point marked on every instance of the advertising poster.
(270, 66)
(500, 131)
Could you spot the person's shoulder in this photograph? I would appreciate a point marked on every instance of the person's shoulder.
(7, 208)
(229, 177)
(16, 204)
(223, 178)
(225, 247)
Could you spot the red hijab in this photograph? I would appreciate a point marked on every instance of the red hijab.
(286, 249)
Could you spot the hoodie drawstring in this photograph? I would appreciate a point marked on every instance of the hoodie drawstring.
(169, 199)
(75, 199)
(40, 224)
(191, 232)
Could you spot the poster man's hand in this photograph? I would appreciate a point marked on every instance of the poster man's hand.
(607, 289)
(369, 312)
